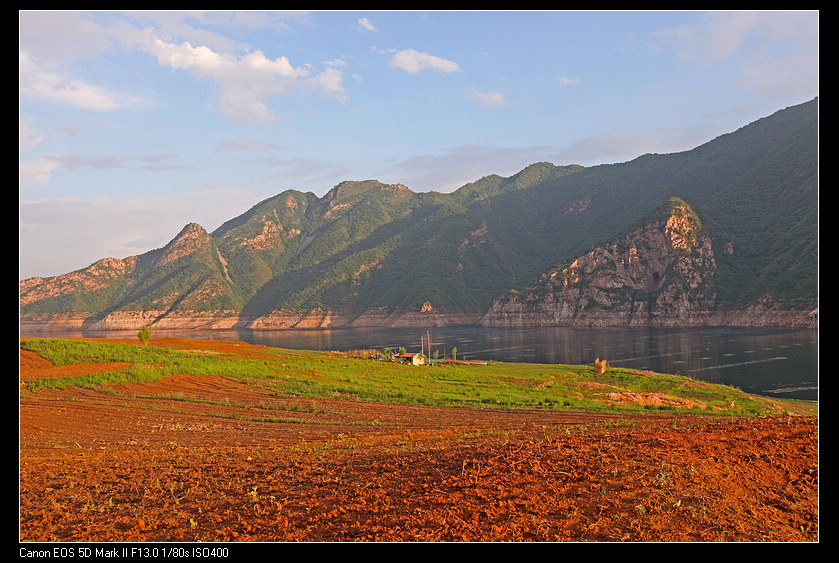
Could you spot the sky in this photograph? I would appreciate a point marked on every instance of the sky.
(134, 124)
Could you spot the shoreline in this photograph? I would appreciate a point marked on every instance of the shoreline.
(784, 319)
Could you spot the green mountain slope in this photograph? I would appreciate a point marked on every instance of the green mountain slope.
(368, 246)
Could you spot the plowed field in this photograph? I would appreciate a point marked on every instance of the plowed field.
(138, 463)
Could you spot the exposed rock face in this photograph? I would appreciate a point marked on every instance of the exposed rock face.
(660, 273)
(95, 277)
(426, 316)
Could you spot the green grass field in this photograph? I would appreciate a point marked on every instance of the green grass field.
(315, 375)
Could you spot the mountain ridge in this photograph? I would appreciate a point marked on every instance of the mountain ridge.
(659, 273)
(368, 252)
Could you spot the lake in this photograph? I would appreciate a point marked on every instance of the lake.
(776, 362)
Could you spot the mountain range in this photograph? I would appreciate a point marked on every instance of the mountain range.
(369, 253)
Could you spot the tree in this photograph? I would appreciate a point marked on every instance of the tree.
(144, 334)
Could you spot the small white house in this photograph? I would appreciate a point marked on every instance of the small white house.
(414, 359)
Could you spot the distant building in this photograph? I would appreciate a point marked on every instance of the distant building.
(414, 359)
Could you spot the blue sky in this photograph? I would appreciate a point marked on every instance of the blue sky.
(133, 124)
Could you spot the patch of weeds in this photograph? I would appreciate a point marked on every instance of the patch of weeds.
(664, 478)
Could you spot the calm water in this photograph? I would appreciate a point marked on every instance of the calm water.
(776, 362)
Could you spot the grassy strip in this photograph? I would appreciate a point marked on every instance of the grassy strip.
(320, 375)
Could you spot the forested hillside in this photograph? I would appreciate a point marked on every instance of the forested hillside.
(368, 247)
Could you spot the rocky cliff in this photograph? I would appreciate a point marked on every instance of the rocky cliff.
(660, 273)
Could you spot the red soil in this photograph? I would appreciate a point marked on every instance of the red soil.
(139, 463)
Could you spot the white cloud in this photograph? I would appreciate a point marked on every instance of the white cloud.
(27, 136)
(776, 77)
(413, 61)
(330, 82)
(35, 173)
(78, 161)
(44, 84)
(39, 172)
(620, 147)
(488, 99)
(777, 52)
(62, 36)
(716, 38)
(246, 82)
(364, 23)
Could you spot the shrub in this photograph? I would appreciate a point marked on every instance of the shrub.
(144, 334)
